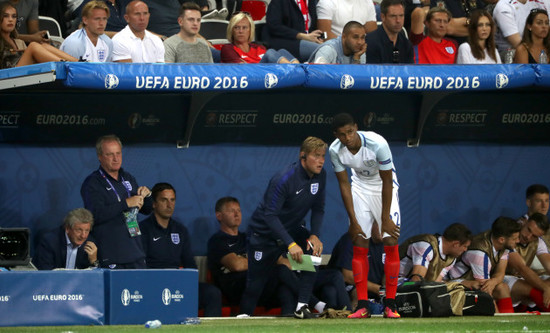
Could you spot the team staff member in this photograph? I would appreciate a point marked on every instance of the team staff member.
(113, 197)
(371, 196)
(277, 222)
(167, 245)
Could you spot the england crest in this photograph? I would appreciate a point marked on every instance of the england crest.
(258, 255)
(175, 238)
(314, 188)
(128, 185)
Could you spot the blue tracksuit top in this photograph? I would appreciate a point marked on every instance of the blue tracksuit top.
(287, 200)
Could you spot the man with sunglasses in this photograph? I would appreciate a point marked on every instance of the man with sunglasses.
(388, 44)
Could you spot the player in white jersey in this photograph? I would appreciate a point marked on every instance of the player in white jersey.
(371, 196)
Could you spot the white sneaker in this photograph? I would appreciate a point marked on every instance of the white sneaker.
(243, 315)
(222, 14)
(210, 16)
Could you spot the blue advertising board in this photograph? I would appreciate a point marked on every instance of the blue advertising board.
(136, 296)
(52, 298)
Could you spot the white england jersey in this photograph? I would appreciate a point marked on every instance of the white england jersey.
(374, 155)
(96, 53)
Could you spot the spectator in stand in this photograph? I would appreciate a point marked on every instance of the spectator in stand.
(435, 48)
(535, 41)
(14, 52)
(187, 46)
(27, 21)
(388, 44)
(241, 50)
(68, 246)
(485, 261)
(460, 16)
(134, 43)
(293, 27)
(480, 48)
(332, 15)
(91, 43)
(117, 10)
(349, 48)
(167, 244)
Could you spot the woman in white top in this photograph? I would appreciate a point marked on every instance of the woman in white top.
(480, 48)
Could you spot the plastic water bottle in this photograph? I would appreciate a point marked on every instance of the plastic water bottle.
(509, 56)
(153, 324)
(191, 321)
(543, 58)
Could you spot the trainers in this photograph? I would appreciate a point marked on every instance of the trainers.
(389, 313)
(360, 314)
(304, 313)
(222, 14)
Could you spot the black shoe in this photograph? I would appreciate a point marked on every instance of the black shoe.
(304, 313)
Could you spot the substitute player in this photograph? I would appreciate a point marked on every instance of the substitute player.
(277, 225)
(371, 196)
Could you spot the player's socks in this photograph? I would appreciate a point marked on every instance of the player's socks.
(391, 269)
(360, 267)
(505, 305)
(537, 297)
(299, 306)
(320, 306)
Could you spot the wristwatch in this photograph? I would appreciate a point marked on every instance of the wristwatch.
(95, 263)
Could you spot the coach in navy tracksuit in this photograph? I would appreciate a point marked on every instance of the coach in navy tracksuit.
(277, 222)
(110, 193)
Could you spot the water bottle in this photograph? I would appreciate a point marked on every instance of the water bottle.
(191, 321)
(153, 324)
(543, 58)
(509, 56)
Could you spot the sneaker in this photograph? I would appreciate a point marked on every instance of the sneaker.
(389, 313)
(360, 314)
(304, 313)
(222, 14)
(212, 15)
(243, 315)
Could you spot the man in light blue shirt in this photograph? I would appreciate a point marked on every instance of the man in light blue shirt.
(349, 48)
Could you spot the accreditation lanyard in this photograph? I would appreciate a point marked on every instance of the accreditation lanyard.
(114, 189)
(305, 12)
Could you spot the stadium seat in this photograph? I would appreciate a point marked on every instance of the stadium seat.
(53, 27)
(256, 8)
(214, 29)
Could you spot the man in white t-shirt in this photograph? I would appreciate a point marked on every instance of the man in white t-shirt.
(90, 43)
(134, 43)
(332, 15)
(510, 17)
(371, 196)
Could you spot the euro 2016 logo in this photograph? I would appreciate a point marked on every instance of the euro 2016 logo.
(270, 80)
(125, 297)
(501, 81)
(346, 82)
(111, 81)
(166, 296)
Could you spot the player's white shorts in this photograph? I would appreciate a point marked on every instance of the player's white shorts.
(368, 208)
(510, 280)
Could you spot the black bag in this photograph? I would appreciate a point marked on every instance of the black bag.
(423, 299)
(478, 303)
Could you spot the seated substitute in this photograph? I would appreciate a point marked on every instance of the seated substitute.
(537, 199)
(69, 245)
(388, 44)
(435, 48)
(167, 244)
(187, 46)
(484, 263)
(525, 284)
(432, 256)
(134, 43)
(91, 43)
(349, 48)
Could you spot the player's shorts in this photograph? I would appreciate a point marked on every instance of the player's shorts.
(368, 208)
(510, 280)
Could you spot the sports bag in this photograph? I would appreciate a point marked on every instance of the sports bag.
(423, 299)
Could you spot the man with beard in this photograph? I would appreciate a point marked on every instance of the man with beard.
(349, 48)
(486, 260)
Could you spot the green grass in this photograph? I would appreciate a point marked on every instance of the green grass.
(259, 325)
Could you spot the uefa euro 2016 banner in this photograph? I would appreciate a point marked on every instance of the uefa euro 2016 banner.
(235, 77)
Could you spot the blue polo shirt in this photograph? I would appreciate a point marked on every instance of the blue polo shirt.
(291, 194)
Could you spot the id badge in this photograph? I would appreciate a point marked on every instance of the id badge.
(131, 222)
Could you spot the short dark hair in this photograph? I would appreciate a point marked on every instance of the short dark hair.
(222, 201)
(458, 232)
(341, 120)
(385, 4)
(505, 227)
(159, 187)
(535, 189)
(350, 25)
(541, 221)
(189, 5)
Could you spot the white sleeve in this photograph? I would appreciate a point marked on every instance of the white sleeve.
(371, 12)
(383, 155)
(463, 54)
(336, 163)
(421, 253)
(325, 55)
(542, 248)
(121, 51)
(159, 47)
(505, 18)
(325, 10)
